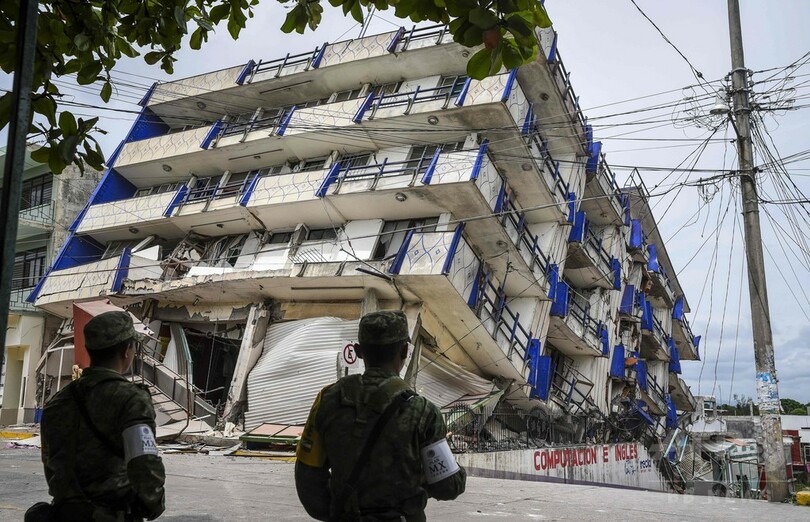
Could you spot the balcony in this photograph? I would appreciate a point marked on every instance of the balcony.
(573, 330)
(685, 341)
(588, 263)
(387, 57)
(111, 221)
(18, 302)
(661, 292)
(603, 201)
(35, 220)
(654, 340)
(90, 281)
(440, 268)
(681, 394)
(547, 79)
(650, 391)
(570, 389)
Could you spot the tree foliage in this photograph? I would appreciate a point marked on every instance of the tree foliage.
(84, 40)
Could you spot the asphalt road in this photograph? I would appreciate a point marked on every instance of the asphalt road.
(216, 488)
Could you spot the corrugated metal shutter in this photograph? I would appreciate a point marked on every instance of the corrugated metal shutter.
(443, 382)
(298, 359)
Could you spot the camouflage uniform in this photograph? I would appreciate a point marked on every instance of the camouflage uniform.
(392, 485)
(89, 478)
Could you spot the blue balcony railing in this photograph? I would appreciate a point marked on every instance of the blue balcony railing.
(405, 39)
(414, 169)
(514, 222)
(571, 100)
(299, 62)
(236, 188)
(546, 163)
(244, 128)
(490, 305)
(444, 93)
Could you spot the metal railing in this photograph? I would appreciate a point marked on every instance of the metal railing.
(436, 32)
(413, 168)
(245, 128)
(656, 392)
(39, 214)
(567, 91)
(18, 302)
(289, 61)
(596, 243)
(564, 387)
(582, 312)
(235, 188)
(546, 163)
(491, 305)
(526, 240)
(607, 174)
(419, 95)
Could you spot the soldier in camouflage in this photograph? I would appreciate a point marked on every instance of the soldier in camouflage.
(410, 461)
(98, 443)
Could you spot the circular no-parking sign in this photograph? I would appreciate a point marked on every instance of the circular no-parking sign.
(349, 356)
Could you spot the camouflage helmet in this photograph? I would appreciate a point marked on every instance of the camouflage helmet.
(384, 327)
(108, 329)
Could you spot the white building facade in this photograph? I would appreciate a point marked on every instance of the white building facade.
(253, 214)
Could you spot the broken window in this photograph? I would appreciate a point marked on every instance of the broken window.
(204, 188)
(385, 89)
(223, 252)
(355, 160)
(394, 232)
(280, 238)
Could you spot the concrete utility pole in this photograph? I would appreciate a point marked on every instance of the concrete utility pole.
(15, 154)
(767, 390)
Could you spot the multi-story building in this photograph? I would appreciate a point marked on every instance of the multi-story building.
(252, 214)
(48, 205)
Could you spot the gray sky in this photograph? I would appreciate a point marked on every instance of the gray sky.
(617, 60)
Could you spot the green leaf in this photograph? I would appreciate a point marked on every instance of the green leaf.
(511, 56)
(106, 92)
(89, 73)
(483, 18)
(478, 66)
(195, 42)
(41, 154)
(67, 123)
(152, 57)
(219, 12)
(46, 106)
(541, 18)
(55, 162)
(82, 42)
(73, 66)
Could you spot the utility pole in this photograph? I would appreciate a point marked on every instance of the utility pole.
(26, 26)
(773, 453)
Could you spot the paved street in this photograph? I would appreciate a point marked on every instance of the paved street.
(209, 488)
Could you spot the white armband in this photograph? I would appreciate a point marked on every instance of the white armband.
(138, 440)
(438, 461)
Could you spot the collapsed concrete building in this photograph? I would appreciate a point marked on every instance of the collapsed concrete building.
(253, 214)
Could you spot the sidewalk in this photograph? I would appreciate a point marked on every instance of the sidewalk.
(210, 488)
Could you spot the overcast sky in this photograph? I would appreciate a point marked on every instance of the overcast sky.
(618, 60)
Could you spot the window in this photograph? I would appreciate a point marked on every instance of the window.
(312, 103)
(394, 232)
(224, 251)
(346, 95)
(114, 248)
(388, 88)
(235, 184)
(321, 234)
(280, 238)
(312, 164)
(36, 191)
(204, 188)
(29, 267)
(356, 160)
(157, 189)
(451, 85)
